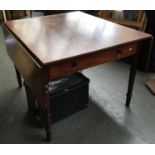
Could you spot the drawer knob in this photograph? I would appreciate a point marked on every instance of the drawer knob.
(130, 49)
(75, 63)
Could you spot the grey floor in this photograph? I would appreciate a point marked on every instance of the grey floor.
(106, 120)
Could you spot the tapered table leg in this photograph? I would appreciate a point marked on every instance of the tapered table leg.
(47, 110)
(132, 76)
(48, 125)
(18, 78)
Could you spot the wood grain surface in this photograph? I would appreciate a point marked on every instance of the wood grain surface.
(55, 38)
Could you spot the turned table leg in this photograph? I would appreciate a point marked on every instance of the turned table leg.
(132, 76)
(18, 78)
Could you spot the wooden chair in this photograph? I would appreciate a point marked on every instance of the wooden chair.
(15, 14)
(138, 23)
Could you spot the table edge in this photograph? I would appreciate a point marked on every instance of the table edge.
(72, 57)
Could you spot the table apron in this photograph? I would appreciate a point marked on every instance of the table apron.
(82, 62)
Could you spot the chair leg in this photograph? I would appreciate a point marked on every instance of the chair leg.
(18, 78)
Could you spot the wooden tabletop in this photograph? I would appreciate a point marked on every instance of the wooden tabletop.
(58, 37)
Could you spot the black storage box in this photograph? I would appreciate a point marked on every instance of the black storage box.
(68, 94)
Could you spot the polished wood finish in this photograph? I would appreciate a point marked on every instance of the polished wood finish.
(45, 48)
(58, 37)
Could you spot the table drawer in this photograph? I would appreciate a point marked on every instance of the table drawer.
(95, 58)
(125, 51)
